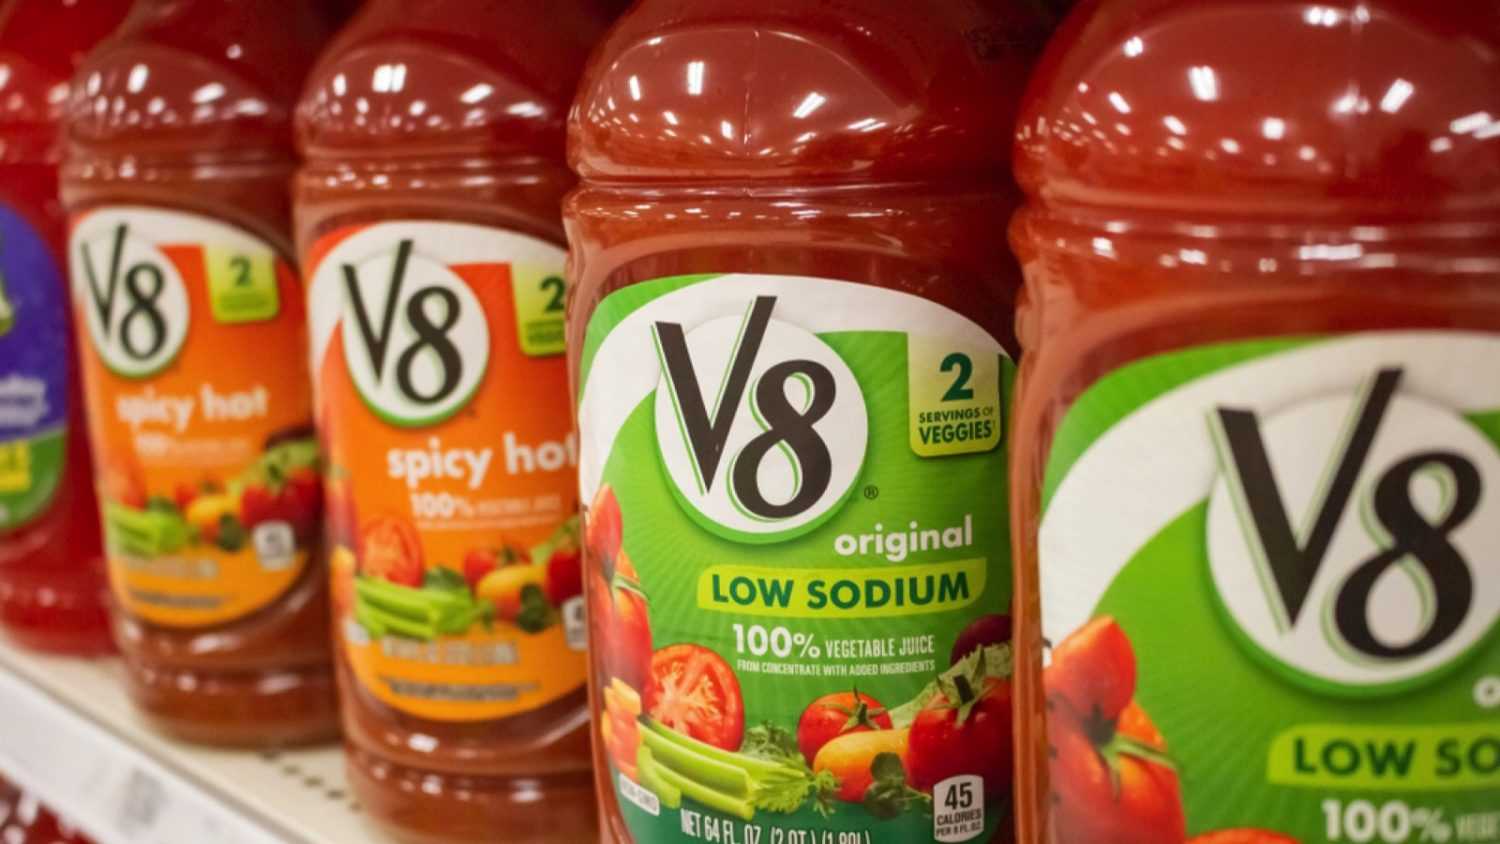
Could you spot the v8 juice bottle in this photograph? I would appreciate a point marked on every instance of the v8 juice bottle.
(790, 333)
(52, 588)
(429, 215)
(191, 328)
(1258, 438)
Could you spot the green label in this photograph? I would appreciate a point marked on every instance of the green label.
(35, 355)
(241, 284)
(1268, 576)
(30, 470)
(799, 562)
(955, 398)
(541, 296)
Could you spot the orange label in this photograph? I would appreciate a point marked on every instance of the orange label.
(442, 399)
(200, 412)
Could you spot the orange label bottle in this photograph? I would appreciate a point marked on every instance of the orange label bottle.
(791, 348)
(52, 588)
(428, 215)
(191, 325)
(1258, 434)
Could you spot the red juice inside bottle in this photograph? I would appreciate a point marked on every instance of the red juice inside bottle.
(190, 318)
(52, 591)
(429, 218)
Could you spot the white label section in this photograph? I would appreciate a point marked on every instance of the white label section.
(626, 368)
(958, 809)
(1398, 589)
(759, 479)
(134, 300)
(1160, 461)
(435, 246)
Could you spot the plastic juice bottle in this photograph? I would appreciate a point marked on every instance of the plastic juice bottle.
(791, 339)
(1259, 425)
(192, 332)
(51, 569)
(429, 218)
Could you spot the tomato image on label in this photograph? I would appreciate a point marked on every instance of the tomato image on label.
(617, 605)
(790, 626)
(835, 715)
(1323, 538)
(694, 691)
(964, 730)
(390, 551)
(451, 471)
(1111, 771)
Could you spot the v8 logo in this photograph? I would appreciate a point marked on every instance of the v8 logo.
(761, 425)
(415, 336)
(1349, 537)
(134, 302)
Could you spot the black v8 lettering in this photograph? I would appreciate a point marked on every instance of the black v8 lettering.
(784, 425)
(429, 338)
(1294, 565)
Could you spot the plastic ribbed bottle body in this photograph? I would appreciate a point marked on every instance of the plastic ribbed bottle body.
(433, 136)
(1259, 247)
(790, 335)
(192, 336)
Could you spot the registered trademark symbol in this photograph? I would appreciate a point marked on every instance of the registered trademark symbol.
(1487, 693)
(872, 492)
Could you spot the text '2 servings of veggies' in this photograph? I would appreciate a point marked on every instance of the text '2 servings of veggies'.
(798, 569)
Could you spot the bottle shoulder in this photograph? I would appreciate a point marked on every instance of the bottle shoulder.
(183, 82)
(1384, 107)
(496, 82)
(875, 90)
(41, 43)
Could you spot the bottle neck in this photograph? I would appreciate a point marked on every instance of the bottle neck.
(69, 27)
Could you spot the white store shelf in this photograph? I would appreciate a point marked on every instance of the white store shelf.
(69, 735)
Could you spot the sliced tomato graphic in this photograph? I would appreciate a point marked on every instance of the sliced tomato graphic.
(389, 549)
(694, 691)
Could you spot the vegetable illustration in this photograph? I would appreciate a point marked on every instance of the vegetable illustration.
(851, 759)
(342, 568)
(207, 511)
(1093, 670)
(144, 533)
(604, 530)
(284, 485)
(840, 713)
(986, 630)
(340, 517)
(620, 729)
(617, 609)
(442, 606)
(966, 729)
(389, 550)
(504, 588)
(184, 495)
(621, 628)
(694, 692)
(1110, 771)
(478, 563)
(774, 779)
(120, 481)
(890, 794)
(564, 575)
